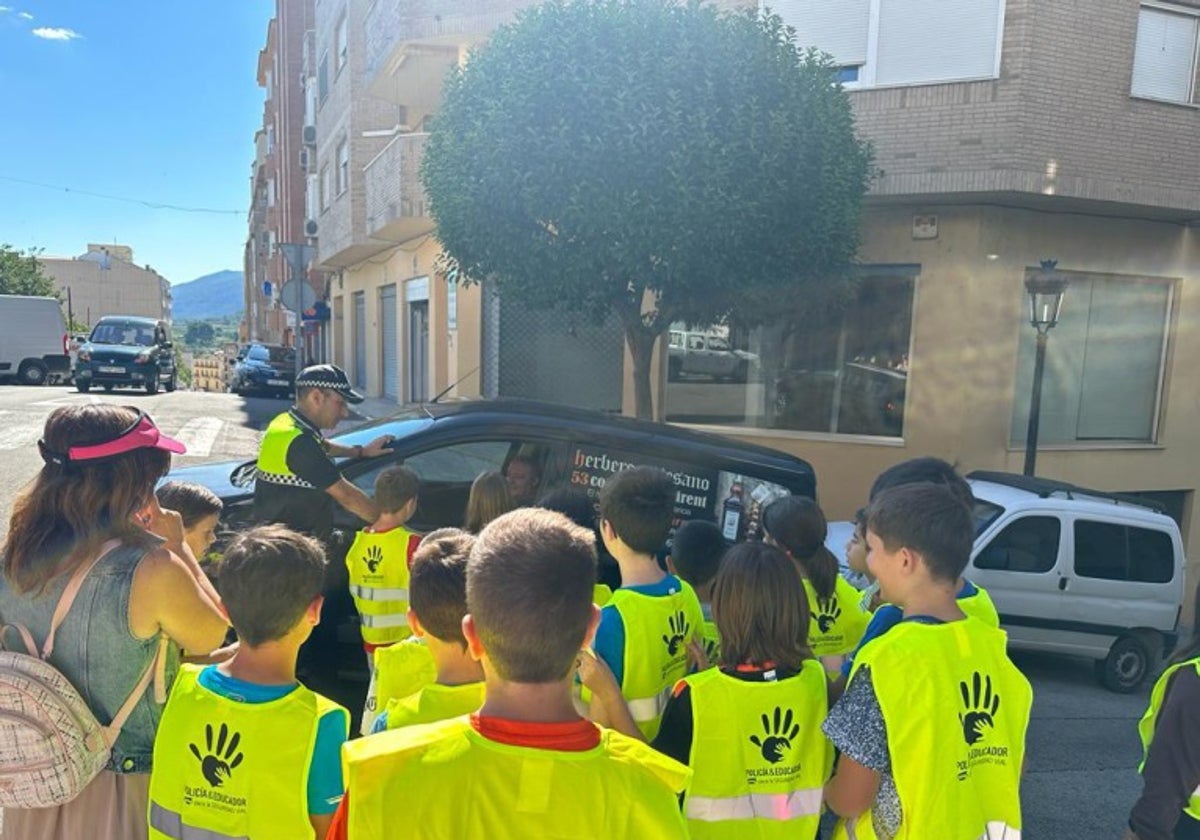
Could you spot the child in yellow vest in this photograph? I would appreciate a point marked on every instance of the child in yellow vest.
(695, 558)
(647, 626)
(244, 750)
(527, 765)
(931, 728)
(437, 592)
(378, 563)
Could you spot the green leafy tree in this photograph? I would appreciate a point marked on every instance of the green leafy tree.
(662, 161)
(199, 334)
(21, 274)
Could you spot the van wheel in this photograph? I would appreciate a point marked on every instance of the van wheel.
(83, 387)
(170, 386)
(152, 385)
(1125, 667)
(32, 373)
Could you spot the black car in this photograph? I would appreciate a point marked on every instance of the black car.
(264, 369)
(127, 351)
(449, 444)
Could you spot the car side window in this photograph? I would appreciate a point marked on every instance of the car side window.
(1109, 551)
(676, 339)
(1028, 545)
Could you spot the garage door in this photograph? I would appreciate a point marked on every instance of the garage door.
(389, 334)
(360, 340)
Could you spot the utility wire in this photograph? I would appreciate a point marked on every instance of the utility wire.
(153, 205)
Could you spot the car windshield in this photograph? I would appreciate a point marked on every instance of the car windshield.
(985, 513)
(133, 335)
(282, 355)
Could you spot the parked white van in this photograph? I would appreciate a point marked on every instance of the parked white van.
(33, 340)
(1080, 572)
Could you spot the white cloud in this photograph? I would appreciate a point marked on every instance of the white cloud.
(4, 9)
(24, 15)
(56, 33)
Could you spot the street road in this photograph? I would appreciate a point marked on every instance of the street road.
(1082, 747)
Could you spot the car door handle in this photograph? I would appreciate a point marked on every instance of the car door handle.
(1062, 583)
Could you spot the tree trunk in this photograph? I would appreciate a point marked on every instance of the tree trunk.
(641, 348)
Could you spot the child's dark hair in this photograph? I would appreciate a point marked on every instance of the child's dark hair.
(860, 522)
(928, 519)
(572, 502)
(395, 487)
(269, 576)
(696, 551)
(638, 503)
(760, 608)
(529, 592)
(798, 525)
(437, 583)
(191, 501)
(924, 469)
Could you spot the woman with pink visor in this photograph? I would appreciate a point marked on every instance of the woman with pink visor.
(90, 520)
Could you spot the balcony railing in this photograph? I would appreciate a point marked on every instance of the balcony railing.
(396, 207)
(392, 23)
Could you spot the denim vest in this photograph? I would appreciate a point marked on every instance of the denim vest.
(95, 649)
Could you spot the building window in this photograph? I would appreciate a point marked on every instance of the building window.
(1104, 363)
(830, 372)
(270, 192)
(323, 80)
(342, 43)
(901, 42)
(326, 188)
(1164, 58)
(343, 167)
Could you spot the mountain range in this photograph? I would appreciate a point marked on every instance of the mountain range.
(215, 295)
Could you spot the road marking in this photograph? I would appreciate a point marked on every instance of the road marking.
(74, 399)
(199, 435)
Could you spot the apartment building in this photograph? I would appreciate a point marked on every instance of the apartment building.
(106, 281)
(209, 372)
(277, 216)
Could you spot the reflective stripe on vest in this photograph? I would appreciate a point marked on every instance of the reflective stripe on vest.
(382, 621)
(376, 593)
(1000, 831)
(171, 824)
(756, 806)
(644, 709)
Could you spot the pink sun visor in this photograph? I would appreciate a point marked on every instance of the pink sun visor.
(143, 434)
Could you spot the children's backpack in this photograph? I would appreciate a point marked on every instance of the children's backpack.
(51, 745)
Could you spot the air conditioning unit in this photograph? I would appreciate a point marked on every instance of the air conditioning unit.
(310, 135)
(310, 227)
(304, 160)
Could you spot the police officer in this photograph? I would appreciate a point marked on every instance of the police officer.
(298, 483)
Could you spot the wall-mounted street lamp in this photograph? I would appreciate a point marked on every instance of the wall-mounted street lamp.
(1046, 288)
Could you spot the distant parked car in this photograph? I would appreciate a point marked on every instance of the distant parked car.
(264, 369)
(708, 354)
(128, 351)
(33, 339)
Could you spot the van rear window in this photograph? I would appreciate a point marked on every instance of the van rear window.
(1109, 551)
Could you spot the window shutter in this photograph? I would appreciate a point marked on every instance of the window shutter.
(838, 27)
(1164, 60)
(937, 40)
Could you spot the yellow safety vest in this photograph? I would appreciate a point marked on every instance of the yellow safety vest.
(225, 770)
(1150, 719)
(657, 631)
(710, 637)
(378, 567)
(272, 456)
(980, 606)
(454, 783)
(759, 759)
(433, 703)
(601, 594)
(836, 625)
(401, 670)
(956, 710)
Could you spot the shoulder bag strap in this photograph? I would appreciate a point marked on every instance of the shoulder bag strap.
(156, 671)
(72, 590)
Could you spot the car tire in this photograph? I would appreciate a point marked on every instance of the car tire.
(170, 386)
(674, 370)
(152, 385)
(83, 387)
(32, 373)
(1126, 667)
(107, 388)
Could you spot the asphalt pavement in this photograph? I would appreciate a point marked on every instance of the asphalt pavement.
(1082, 747)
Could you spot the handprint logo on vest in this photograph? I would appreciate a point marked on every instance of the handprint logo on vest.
(677, 632)
(828, 612)
(220, 758)
(980, 706)
(778, 732)
(373, 558)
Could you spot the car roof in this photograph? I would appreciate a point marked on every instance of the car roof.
(1012, 490)
(129, 319)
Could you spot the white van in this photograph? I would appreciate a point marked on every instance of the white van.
(33, 340)
(1080, 572)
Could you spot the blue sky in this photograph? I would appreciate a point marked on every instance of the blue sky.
(154, 100)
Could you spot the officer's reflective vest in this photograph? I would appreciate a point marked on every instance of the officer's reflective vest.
(1150, 718)
(401, 784)
(272, 456)
(759, 759)
(835, 625)
(435, 702)
(657, 631)
(225, 770)
(956, 710)
(378, 567)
